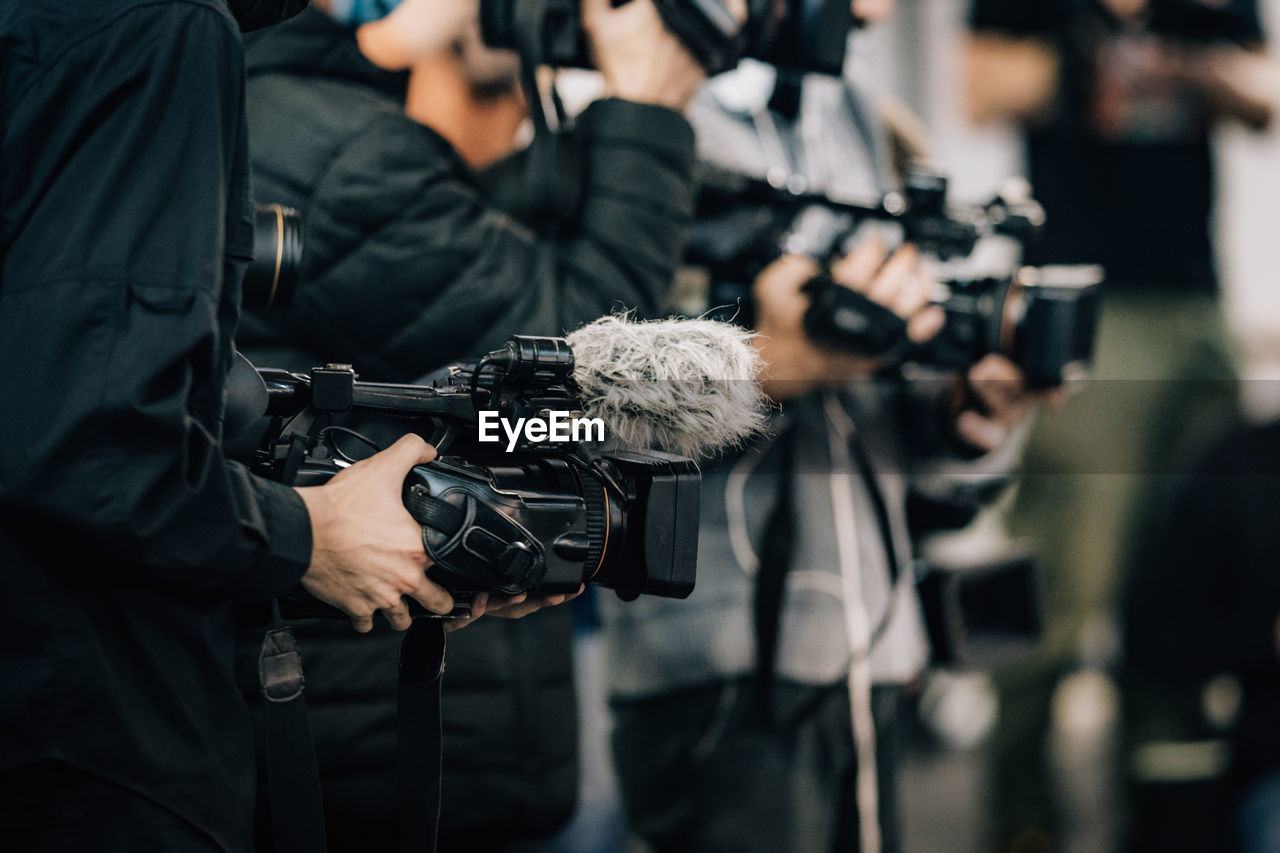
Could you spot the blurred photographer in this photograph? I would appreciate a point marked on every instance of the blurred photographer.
(762, 713)
(409, 264)
(1117, 103)
(125, 532)
(1201, 620)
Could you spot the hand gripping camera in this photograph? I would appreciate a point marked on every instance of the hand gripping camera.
(544, 516)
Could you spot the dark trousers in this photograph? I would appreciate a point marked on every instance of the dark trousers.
(702, 770)
(52, 807)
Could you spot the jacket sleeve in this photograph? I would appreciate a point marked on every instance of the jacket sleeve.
(118, 303)
(409, 266)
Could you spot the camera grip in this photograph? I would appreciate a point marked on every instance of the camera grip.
(473, 546)
(848, 320)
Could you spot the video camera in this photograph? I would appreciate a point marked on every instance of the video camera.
(551, 514)
(805, 35)
(1042, 318)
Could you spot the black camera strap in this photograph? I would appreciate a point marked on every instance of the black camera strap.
(880, 507)
(775, 561)
(293, 779)
(419, 737)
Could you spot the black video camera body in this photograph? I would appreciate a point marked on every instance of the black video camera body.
(533, 511)
(1041, 318)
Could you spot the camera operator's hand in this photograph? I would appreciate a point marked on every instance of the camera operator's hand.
(519, 606)
(367, 551)
(899, 283)
(794, 363)
(639, 59)
(994, 400)
(508, 606)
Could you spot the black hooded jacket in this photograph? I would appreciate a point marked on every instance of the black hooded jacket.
(409, 265)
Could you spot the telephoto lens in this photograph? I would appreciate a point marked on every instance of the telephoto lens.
(272, 277)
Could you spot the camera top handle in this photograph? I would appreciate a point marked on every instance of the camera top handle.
(921, 208)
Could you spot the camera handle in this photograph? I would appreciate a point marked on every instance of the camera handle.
(467, 539)
(848, 320)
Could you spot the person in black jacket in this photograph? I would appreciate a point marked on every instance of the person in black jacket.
(1118, 103)
(1201, 656)
(125, 532)
(408, 265)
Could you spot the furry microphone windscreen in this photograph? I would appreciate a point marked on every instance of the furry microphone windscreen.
(682, 386)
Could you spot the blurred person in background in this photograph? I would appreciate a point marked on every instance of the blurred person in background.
(729, 736)
(372, 125)
(1201, 617)
(1117, 100)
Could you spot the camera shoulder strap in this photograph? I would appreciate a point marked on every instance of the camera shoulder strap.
(776, 547)
(878, 504)
(293, 779)
(419, 738)
(880, 508)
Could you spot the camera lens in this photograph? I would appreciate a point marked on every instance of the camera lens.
(272, 277)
